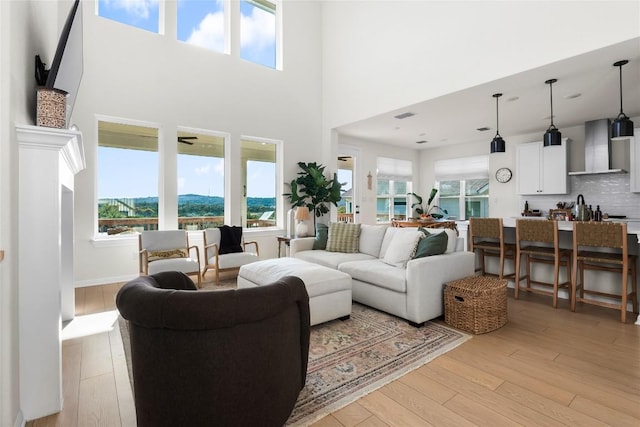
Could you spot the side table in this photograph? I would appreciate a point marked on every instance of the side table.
(286, 239)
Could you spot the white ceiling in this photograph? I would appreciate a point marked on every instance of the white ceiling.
(524, 107)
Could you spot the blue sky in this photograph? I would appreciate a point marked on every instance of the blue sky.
(135, 174)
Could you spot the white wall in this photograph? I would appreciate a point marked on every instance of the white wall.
(134, 74)
(379, 56)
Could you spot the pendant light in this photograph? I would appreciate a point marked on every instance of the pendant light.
(621, 127)
(552, 136)
(497, 143)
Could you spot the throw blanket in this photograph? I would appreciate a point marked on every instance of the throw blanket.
(230, 239)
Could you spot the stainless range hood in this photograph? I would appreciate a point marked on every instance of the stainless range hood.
(597, 148)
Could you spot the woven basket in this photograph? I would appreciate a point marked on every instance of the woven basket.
(476, 304)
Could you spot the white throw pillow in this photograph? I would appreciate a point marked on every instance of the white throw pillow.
(402, 246)
(371, 239)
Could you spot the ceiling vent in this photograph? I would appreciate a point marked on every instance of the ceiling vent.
(404, 115)
(421, 142)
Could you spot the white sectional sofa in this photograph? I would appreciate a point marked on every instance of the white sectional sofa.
(412, 290)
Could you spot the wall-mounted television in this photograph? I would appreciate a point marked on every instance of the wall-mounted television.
(67, 66)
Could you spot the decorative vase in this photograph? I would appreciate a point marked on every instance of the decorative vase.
(302, 229)
(291, 222)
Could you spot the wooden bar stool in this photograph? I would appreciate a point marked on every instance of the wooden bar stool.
(528, 233)
(486, 235)
(612, 235)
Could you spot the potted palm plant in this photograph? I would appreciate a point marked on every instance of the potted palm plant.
(425, 210)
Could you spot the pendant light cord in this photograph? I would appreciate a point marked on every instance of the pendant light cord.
(551, 97)
(496, 96)
(621, 113)
(497, 118)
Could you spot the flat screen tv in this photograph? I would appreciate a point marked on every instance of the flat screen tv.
(67, 66)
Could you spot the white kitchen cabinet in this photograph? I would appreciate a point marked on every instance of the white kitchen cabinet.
(634, 169)
(540, 169)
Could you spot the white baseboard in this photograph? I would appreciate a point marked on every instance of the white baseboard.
(20, 421)
(103, 281)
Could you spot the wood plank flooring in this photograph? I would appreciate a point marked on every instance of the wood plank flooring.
(545, 367)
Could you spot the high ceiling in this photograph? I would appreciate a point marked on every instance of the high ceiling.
(588, 88)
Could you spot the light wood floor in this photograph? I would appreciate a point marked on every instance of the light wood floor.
(545, 367)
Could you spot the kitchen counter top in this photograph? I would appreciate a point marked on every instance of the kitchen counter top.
(633, 224)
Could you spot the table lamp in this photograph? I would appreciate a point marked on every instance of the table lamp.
(302, 214)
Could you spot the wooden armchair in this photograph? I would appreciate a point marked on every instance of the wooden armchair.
(225, 249)
(167, 250)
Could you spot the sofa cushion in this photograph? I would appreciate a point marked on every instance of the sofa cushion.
(402, 247)
(322, 233)
(431, 244)
(343, 237)
(452, 238)
(371, 239)
(330, 259)
(377, 273)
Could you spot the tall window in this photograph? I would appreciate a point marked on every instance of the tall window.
(259, 163)
(464, 186)
(144, 14)
(202, 23)
(127, 178)
(394, 182)
(258, 32)
(200, 180)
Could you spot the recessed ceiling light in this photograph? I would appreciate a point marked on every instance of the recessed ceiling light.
(404, 115)
(483, 129)
(421, 142)
(422, 134)
(573, 96)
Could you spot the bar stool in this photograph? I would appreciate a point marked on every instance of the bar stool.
(612, 235)
(486, 235)
(528, 233)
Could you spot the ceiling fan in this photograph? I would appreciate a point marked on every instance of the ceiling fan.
(186, 139)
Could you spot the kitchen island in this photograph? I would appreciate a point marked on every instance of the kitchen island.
(606, 282)
(633, 225)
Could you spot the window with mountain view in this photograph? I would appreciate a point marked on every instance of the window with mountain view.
(259, 162)
(200, 180)
(127, 178)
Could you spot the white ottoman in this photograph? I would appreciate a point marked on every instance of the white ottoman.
(329, 290)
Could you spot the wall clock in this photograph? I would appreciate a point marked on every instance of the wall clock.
(503, 175)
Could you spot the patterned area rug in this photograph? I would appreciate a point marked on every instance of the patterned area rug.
(349, 359)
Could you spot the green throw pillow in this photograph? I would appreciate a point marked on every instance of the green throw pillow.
(431, 244)
(322, 233)
(343, 237)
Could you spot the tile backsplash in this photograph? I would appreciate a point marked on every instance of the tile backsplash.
(610, 191)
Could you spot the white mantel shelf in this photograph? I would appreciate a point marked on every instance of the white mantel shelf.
(48, 160)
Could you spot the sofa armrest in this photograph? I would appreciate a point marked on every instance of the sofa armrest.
(426, 278)
(300, 244)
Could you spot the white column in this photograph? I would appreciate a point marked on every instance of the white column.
(48, 160)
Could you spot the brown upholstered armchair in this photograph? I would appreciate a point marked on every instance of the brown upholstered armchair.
(223, 358)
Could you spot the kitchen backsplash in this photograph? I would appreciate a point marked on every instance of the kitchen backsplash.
(610, 191)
